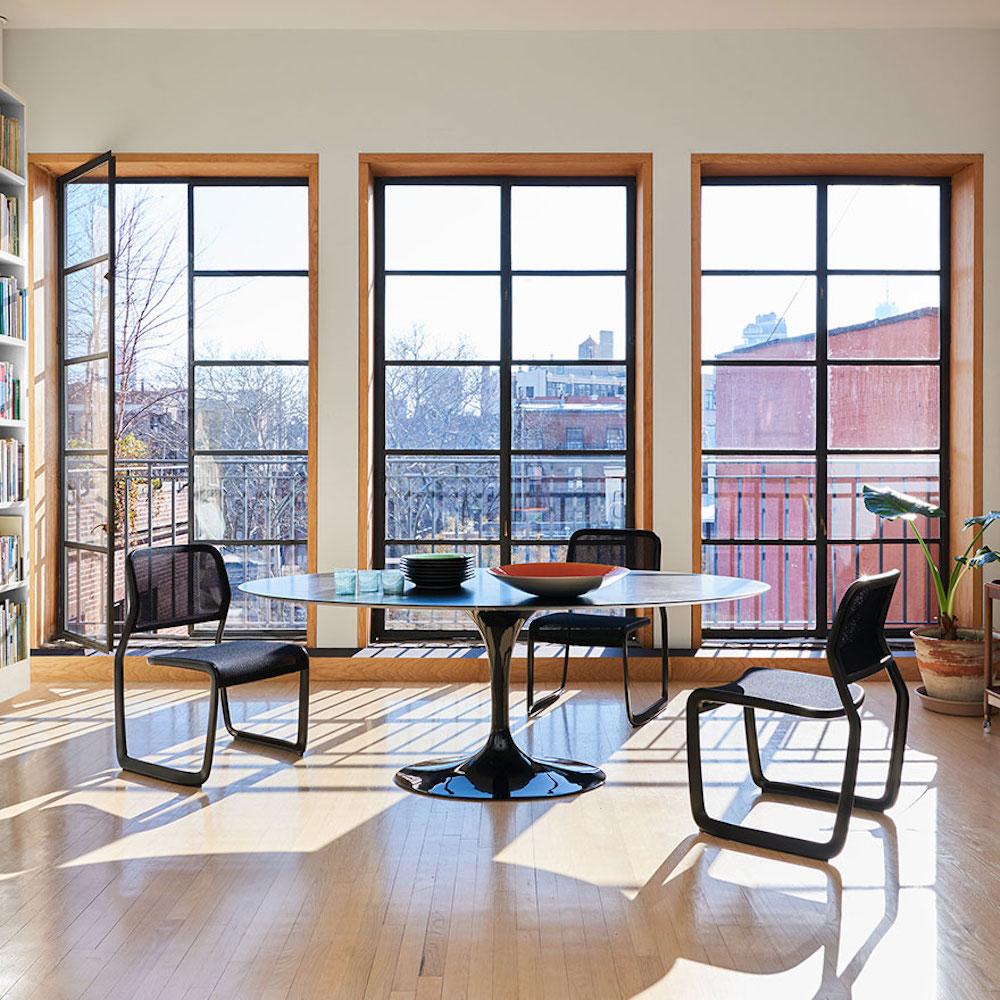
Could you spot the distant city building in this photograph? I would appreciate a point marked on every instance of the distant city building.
(766, 327)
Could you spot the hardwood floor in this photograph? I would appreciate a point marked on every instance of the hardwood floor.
(320, 878)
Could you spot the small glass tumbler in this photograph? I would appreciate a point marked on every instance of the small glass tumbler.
(392, 581)
(344, 582)
(369, 581)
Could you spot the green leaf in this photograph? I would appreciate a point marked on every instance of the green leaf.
(985, 520)
(983, 556)
(890, 505)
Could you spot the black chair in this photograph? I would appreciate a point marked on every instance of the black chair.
(178, 585)
(628, 547)
(855, 650)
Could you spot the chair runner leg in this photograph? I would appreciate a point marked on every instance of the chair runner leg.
(844, 799)
(654, 709)
(547, 700)
(297, 746)
(161, 771)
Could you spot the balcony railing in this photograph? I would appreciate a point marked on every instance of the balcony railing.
(254, 501)
(759, 519)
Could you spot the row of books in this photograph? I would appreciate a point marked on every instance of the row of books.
(10, 143)
(13, 308)
(11, 570)
(10, 234)
(10, 393)
(14, 642)
(11, 470)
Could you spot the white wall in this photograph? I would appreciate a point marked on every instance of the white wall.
(669, 93)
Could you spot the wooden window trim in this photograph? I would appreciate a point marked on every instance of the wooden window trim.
(43, 171)
(966, 361)
(374, 165)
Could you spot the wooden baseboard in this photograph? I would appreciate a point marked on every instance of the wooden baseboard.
(700, 668)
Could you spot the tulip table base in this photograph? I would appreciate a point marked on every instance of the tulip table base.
(500, 770)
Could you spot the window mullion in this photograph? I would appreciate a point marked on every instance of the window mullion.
(506, 353)
(822, 412)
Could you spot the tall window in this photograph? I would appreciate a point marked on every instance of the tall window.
(504, 317)
(207, 315)
(824, 335)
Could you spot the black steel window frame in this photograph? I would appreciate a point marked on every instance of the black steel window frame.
(821, 364)
(108, 355)
(191, 184)
(506, 363)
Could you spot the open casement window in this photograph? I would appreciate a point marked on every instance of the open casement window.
(86, 316)
(184, 355)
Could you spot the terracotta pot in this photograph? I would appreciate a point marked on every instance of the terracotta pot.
(952, 669)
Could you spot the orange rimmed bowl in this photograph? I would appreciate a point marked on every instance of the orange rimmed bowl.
(557, 579)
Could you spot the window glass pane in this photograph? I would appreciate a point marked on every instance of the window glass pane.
(790, 570)
(884, 316)
(86, 208)
(254, 498)
(758, 317)
(251, 407)
(884, 406)
(762, 227)
(747, 496)
(568, 228)
(249, 319)
(255, 562)
(251, 228)
(753, 407)
(86, 499)
(85, 593)
(442, 406)
(86, 405)
(876, 226)
(916, 475)
(442, 497)
(435, 227)
(568, 317)
(86, 304)
(436, 619)
(913, 602)
(552, 496)
(549, 553)
(151, 321)
(568, 406)
(442, 318)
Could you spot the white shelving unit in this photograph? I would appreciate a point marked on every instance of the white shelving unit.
(15, 676)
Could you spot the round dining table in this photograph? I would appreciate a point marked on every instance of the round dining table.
(500, 769)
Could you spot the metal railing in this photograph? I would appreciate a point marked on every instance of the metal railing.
(748, 513)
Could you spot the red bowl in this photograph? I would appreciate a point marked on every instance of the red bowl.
(557, 579)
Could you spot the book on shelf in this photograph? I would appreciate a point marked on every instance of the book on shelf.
(10, 233)
(11, 569)
(11, 471)
(13, 634)
(10, 392)
(10, 143)
(13, 308)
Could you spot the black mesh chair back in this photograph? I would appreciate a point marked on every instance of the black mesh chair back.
(628, 547)
(175, 585)
(857, 648)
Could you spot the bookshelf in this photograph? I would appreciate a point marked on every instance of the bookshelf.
(14, 382)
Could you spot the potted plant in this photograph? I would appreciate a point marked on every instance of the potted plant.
(950, 658)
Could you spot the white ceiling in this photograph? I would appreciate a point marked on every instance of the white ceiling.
(502, 14)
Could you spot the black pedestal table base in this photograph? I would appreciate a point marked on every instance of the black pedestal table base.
(501, 770)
